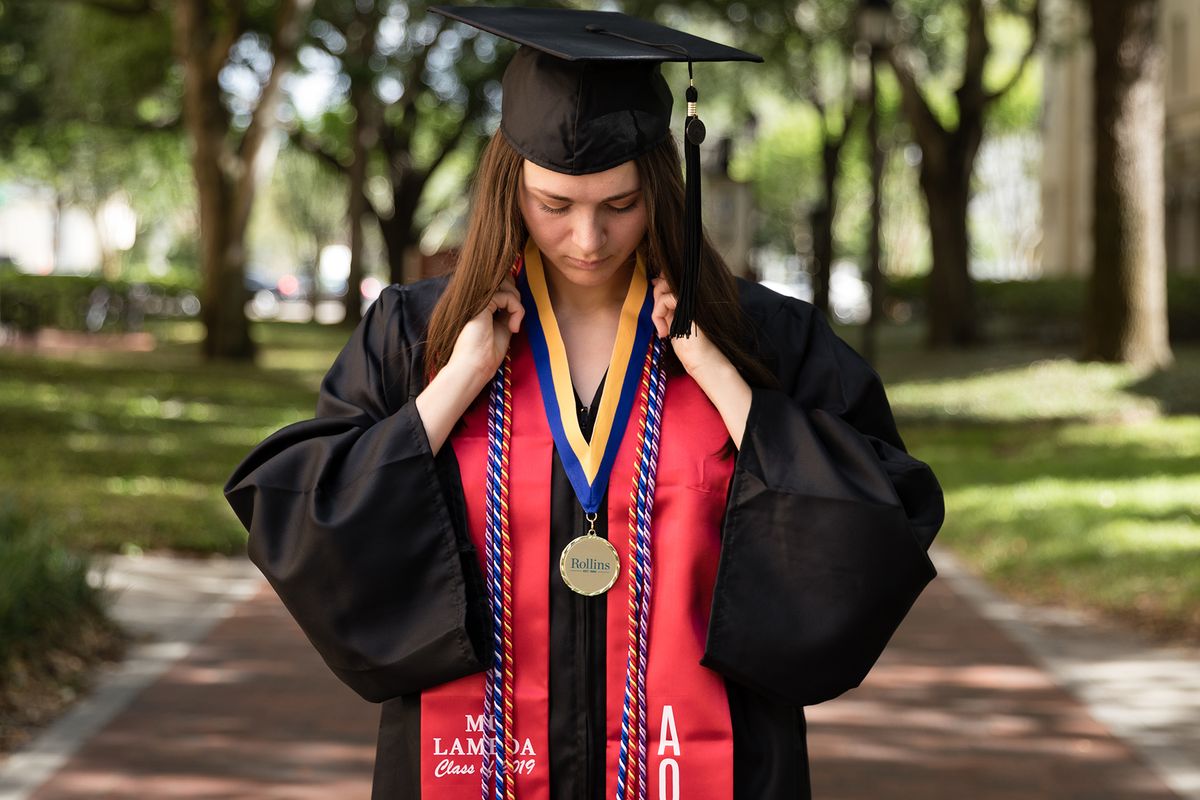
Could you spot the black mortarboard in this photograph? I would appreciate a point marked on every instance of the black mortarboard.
(586, 93)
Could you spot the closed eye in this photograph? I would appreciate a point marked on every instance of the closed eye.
(563, 209)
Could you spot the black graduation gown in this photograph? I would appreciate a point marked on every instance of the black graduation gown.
(362, 533)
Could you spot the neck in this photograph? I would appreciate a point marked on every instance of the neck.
(572, 300)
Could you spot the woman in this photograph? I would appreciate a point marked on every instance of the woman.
(571, 556)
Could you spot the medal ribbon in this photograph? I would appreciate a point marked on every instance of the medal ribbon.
(588, 463)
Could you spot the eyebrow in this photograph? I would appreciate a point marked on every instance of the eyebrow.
(559, 197)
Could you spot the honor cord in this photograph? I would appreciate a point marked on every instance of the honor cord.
(652, 389)
(498, 695)
(498, 782)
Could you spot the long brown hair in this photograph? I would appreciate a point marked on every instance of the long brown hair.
(496, 235)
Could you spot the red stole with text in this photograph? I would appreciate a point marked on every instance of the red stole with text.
(689, 741)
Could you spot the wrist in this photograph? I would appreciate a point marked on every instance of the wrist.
(464, 379)
(716, 373)
(444, 400)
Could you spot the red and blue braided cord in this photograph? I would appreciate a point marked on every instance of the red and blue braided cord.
(629, 708)
(651, 392)
(510, 743)
(647, 475)
(497, 779)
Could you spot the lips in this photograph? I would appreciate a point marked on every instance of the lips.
(586, 264)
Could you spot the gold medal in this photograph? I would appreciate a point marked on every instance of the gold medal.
(589, 564)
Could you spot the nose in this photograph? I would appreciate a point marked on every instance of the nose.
(588, 234)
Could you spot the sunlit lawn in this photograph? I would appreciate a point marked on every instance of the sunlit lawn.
(1064, 482)
(129, 450)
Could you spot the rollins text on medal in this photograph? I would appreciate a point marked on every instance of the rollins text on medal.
(590, 565)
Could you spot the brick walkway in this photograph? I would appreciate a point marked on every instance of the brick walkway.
(252, 712)
(954, 709)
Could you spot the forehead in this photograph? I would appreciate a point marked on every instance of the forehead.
(593, 187)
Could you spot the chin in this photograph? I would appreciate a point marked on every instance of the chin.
(584, 276)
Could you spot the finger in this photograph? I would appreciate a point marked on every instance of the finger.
(514, 319)
(513, 302)
(509, 301)
(509, 288)
(662, 316)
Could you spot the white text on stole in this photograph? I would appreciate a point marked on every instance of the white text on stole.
(668, 768)
(479, 746)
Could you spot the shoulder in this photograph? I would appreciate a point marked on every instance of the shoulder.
(412, 301)
(763, 304)
(782, 329)
(401, 313)
(795, 340)
(393, 332)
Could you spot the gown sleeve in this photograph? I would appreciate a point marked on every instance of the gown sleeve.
(826, 527)
(351, 521)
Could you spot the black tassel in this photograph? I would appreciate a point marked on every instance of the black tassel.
(689, 278)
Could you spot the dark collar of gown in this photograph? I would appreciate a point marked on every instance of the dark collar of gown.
(587, 414)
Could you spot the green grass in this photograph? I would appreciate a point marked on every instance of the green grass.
(42, 585)
(53, 625)
(130, 450)
(1068, 483)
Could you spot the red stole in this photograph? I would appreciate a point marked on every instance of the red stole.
(690, 742)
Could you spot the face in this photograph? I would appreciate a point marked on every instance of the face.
(587, 226)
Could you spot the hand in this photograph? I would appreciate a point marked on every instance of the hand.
(696, 352)
(484, 340)
(712, 371)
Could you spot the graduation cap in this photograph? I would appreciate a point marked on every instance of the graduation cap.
(585, 93)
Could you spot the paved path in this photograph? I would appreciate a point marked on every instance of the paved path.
(968, 701)
(251, 712)
(956, 708)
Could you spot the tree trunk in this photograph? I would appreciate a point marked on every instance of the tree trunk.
(947, 161)
(227, 331)
(364, 132)
(60, 203)
(823, 221)
(950, 294)
(226, 176)
(945, 179)
(398, 234)
(362, 140)
(314, 275)
(1126, 319)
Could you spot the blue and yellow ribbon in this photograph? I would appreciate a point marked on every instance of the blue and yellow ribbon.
(586, 462)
